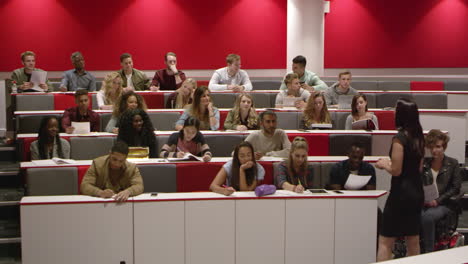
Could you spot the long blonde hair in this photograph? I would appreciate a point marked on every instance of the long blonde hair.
(252, 119)
(309, 112)
(108, 83)
(293, 176)
(182, 100)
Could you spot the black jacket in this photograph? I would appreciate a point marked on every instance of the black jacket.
(449, 178)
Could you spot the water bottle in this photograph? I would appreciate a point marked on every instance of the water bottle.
(14, 88)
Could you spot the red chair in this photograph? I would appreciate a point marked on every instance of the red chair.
(426, 86)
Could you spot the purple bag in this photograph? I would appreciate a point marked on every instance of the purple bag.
(265, 189)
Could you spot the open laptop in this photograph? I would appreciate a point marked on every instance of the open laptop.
(344, 101)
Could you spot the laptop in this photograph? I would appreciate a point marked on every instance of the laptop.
(344, 101)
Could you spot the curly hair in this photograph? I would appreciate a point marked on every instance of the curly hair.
(129, 135)
(250, 174)
(294, 177)
(310, 116)
(121, 105)
(435, 135)
(252, 120)
(108, 86)
(43, 138)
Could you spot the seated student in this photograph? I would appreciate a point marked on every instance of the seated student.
(128, 100)
(136, 129)
(243, 116)
(49, 144)
(202, 109)
(293, 90)
(169, 78)
(342, 87)
(187, 140)
(230, 78)
(294, 174)
(444, 173)
(112, 176)
(315, 112)
(339, 173)
(182, 96)
(309, 80)
(242, 173)
(110, 91)
(132, 79)
(80, 113)
(359, 112)
(269, 141)
(22, 76)
(77, 78)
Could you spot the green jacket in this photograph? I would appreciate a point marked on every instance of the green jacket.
(20, 77)
(140, 80)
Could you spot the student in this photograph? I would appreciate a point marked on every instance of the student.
(110, 91)
(182, 96)
(187, 140)
(269, 141)
(309, 80)
(80, 113)
(128, 100)
(340, 171)
(359, 112)
(231, 77)
(22, 76)
(202, 109)
(112, 176)
(169, 78)
(402, 213)
(315, 112)
(293, 90)
(242, 173)
(243, 116)
(445, 173)
(294, 174)
(132, 79)
(136, 130)
(78, 78)
(49, 144)
(340, 88)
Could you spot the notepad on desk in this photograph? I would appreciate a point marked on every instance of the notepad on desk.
(81, 127)
(186, 157)
(366, 124)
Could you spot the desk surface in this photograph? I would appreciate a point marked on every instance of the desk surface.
(41, 112)
(232, 132)
(197, 196)
(50, 163)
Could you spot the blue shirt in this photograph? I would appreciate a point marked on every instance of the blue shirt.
(74, 81)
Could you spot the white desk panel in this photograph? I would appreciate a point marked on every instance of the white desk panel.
(159, 232)
(355, 230)
(210, 232)
(260, 231)
(310, 225)
(77, 233)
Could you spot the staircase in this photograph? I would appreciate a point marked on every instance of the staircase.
(11, 191)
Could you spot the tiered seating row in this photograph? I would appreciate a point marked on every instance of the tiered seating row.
(262, 99)
(163, 176)
(322, 143)
(28, 122)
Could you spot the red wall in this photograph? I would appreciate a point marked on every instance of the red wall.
(201, 33)
(396, 34)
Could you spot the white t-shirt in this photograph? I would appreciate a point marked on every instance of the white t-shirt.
(129, 80)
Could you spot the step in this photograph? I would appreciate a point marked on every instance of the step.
(11, 240)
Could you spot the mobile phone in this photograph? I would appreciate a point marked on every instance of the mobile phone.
(340, 192)
(154, 194)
